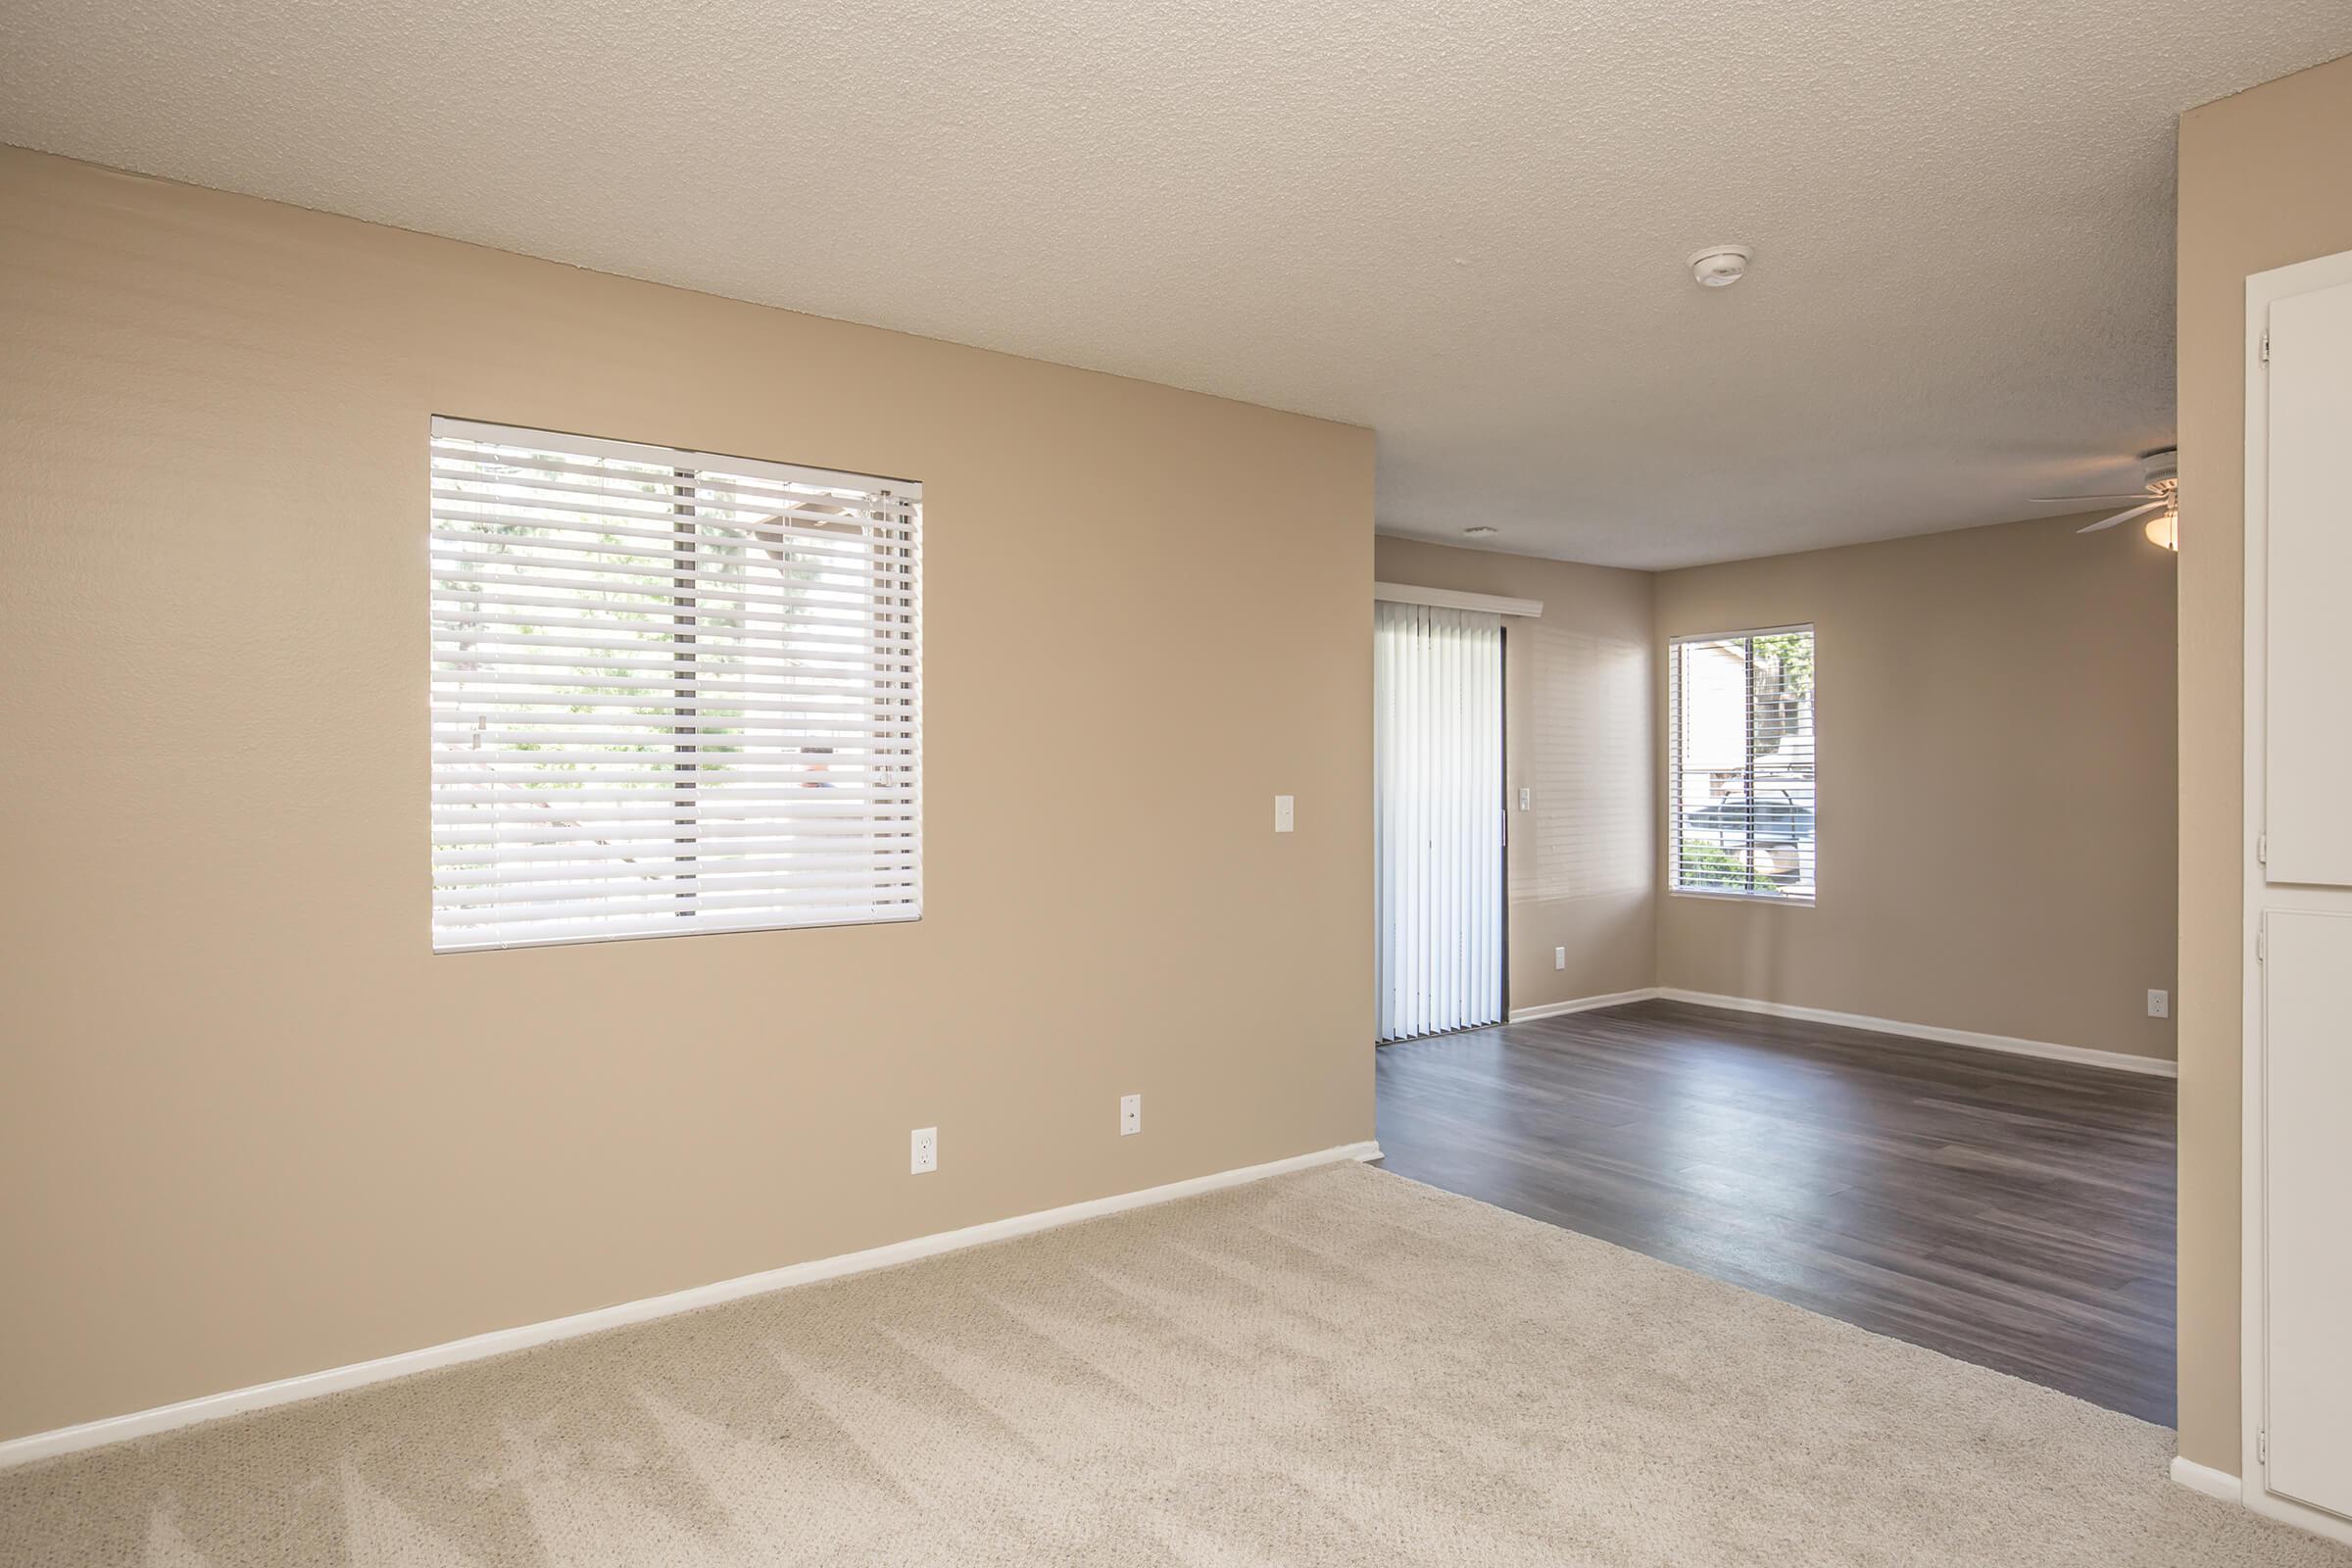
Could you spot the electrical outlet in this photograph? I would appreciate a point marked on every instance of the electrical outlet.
(1559, 957)
(1131, 1115)
(1527, 798)
(2160, 1003)
(925, 1156)
(1282, 813)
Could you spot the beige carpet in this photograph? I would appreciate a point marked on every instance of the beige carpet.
(1335, 1367)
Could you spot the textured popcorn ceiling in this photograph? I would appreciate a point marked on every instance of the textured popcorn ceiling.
(1461, 223)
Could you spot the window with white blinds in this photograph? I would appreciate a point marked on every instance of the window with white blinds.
(1741, 795)
(671, 692)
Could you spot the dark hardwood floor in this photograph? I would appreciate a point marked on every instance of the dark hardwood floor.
(2003, 1209)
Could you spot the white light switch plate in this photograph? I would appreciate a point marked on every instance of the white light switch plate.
(1282, 813)
(1131, 1115)
(924, 1156)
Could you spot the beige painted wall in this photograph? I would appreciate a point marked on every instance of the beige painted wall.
(1995, 712)
(251, 1127)
(2266, 181)
(1578, 735)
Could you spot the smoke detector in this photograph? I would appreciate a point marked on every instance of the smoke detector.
(1718, 265)
(1481, 531)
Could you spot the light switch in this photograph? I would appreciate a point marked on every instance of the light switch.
(1282, 813)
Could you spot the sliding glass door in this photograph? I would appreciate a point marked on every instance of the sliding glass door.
(1438, 815)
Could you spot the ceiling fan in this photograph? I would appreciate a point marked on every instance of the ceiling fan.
(2160, 471)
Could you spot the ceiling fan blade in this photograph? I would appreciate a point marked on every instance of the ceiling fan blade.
(2139, 494)
(2123, 516)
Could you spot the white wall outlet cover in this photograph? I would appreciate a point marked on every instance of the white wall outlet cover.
(1559, 957)
(2160, 1004)
(1282, 813)
(924, 1155)
(1527, 798)
(1131, 1115)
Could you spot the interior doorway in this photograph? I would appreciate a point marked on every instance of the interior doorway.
(1439, 818)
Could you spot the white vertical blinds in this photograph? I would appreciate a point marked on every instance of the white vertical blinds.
(1437, 800)
(1740, 803)
(671, 692)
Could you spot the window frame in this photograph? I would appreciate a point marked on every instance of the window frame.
(1677, 701)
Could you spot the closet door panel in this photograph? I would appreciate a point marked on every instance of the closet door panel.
(2309, 755)
(2307, 1109)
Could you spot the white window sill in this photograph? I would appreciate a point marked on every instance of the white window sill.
(1740, 897)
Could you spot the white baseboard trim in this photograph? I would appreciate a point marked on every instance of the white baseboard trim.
(1554, 1010)
(2204, 1478)
(499, 1342)
(2118, 1060)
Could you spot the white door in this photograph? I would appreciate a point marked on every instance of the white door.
(1437, 802)
(2299, 890)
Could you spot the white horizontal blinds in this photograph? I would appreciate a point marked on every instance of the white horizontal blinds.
(1742, 800)
(1436, 800)
(671, 692)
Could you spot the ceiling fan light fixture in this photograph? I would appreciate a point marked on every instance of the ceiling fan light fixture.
(2160, 471)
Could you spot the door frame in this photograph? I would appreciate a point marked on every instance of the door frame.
(1502, 878)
